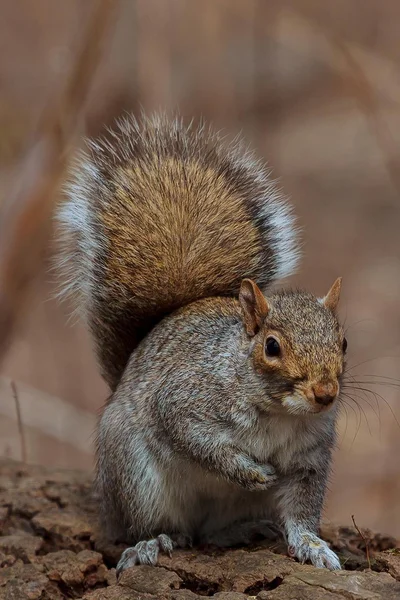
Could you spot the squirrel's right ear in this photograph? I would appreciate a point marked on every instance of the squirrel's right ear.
(331, 300)
(255, 306)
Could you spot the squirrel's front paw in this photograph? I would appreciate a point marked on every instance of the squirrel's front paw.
(307, 546)
(145, 553)
(259, 477)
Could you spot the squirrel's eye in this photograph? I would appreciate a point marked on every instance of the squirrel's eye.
(272, 347)
(344, 346)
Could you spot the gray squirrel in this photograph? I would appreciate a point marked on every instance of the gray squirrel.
(224, 394)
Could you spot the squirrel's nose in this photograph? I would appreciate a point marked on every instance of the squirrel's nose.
(325, 393)
(325, 399)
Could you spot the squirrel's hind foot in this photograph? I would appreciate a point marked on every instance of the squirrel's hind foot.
(146, 552)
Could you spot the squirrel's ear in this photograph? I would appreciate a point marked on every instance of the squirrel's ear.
(255, 306)
(331, 300)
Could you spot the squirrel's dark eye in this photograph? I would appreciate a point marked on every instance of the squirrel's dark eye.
(344, 346)
(272, 347)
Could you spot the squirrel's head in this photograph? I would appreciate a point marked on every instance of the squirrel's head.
(298, 344)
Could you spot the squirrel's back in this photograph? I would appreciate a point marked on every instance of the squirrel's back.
(160, 214)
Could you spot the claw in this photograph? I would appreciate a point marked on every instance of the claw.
(145, 553)
(309, 547)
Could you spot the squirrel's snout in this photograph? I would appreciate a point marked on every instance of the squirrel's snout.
(325, 399)
(325, 393)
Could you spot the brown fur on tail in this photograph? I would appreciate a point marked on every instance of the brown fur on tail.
(159, 215)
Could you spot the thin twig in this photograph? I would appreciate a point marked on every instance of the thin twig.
(366, 541)
(19, 421)
(25, 214)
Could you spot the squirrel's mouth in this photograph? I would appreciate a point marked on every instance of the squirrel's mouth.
(302, 402)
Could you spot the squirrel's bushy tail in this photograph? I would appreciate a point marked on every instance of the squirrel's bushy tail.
(159, 214)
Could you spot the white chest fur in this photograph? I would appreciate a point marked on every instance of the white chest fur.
(280, 439)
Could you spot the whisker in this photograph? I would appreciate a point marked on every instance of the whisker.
(358, 427)
(357, 417)
(343, 401)
(346, 329)
(365, 399)
(379, 396)
(367, 361)
(375, 375)
(364, 414)
(348, 369)
(344, 404)
(381, 377)
(377, 382)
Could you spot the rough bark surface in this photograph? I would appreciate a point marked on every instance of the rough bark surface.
(50, 550)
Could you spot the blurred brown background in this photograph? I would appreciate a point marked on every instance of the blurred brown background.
(315, 87)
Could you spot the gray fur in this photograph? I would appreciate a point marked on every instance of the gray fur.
(192, 442)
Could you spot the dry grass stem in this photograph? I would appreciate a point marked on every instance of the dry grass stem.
(365, 540)
(24, 455)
